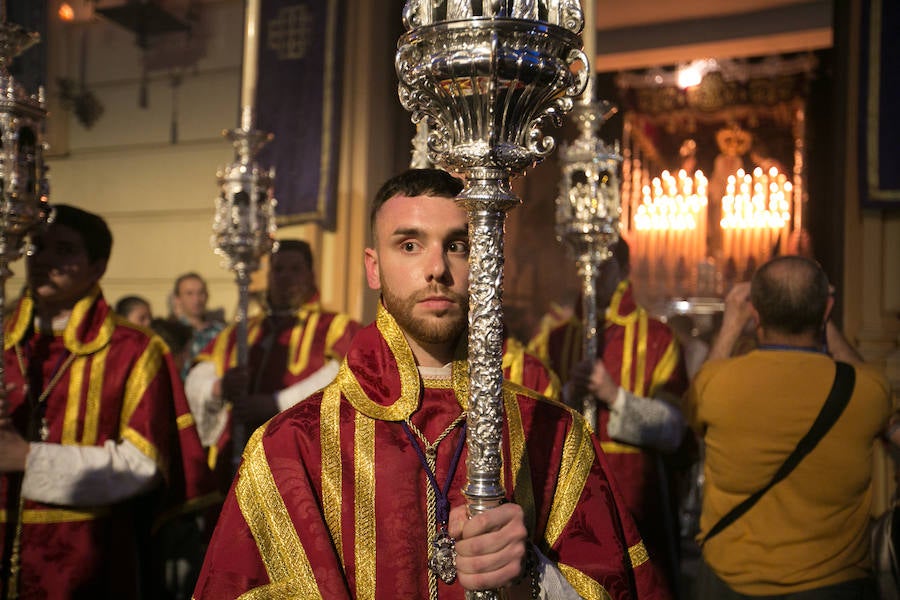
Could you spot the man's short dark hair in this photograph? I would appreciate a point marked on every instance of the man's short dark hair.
(790, 293)
(176, 289)
(94, 231)
(299, 246)
(415, 182)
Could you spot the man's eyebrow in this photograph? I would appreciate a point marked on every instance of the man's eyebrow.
(406, 232)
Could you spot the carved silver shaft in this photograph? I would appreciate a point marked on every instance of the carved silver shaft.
(588, 270)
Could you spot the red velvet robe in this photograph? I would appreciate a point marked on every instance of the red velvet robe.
(330, 501)
(296, 352)
(118, 386)
(642, 355)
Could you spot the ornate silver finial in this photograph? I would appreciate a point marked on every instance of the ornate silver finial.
(486, 76)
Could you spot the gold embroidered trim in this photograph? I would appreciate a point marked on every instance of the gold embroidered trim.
(73, 401)
(612, 313)
(335, 332)
(665, 367)
(307, 327)
(514, 360)
(212, 457)
(625, 376)
(270, 524)
(583, 584)
(578, 456)
(141, 376)
(332, 484)
(79, 312)
(641, 368)
(401, 408)
(364, 525)
(146, 448)
(638, 555)
(437, 383)
(460, 377)
(57, 515)
(520, 468)
(281, 590)
(94, 397)
(16, 331)
(184, 421)
(618, 448)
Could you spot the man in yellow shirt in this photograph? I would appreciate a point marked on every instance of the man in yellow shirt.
(807, 536)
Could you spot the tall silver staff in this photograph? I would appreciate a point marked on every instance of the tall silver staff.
(23, 207)
(486, 75)
(589, 204)
(244, 225)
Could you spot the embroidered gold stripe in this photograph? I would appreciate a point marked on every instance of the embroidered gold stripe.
(335, 333)
(665, 367)
(578, 456)
(308, 330)
(141, 376)
(73, 401)
(79, 313)
(364, 525)
(22, 322)
(184, 421)
(617, 448)
(145, 446)
(640, 375)
(330, 441)
(523, 492)
(638, 555)
(57, 515)
(94, 397)
(627, 357)
(583, 584)
(514, 360)
(270, 524)
(212, 457)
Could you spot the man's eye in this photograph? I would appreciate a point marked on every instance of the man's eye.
(409, 246)
(459, 247)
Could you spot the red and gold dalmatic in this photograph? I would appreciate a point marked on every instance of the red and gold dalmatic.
(641, 355)
(316, 337)
(330, 500)
(525, 368)
(105, 379)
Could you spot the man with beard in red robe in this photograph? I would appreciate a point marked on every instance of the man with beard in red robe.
(354, 490)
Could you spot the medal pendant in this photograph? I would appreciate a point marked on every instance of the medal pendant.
(443, 557)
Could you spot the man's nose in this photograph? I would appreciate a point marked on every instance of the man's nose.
(438, 266)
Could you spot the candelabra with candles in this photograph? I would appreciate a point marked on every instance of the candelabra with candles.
(588, 208)
(23, 208)
(756, 216)
(244, 224)
(486, 75)
(670, 229)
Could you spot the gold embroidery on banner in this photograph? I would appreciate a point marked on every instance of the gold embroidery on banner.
(309, 327)
(141, 376)
(641, 367)
(364, 503)
(638, 555)
(401, 408)
(94, 397)
(618, 448)
(665, 367)
(578, 456)
(335, 332)
(270, 524)
(73, 402)
(520, 469)
(184, 421)
(330, 442)
(583, 584)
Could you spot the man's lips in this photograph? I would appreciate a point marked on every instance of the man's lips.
(438, 302)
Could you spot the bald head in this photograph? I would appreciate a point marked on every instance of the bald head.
(790, 293)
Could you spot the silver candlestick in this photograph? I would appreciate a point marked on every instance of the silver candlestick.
(486, 76)
(589, 203)
(23, 208)
(244, 225)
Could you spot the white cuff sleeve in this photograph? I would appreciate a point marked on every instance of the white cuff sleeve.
(87, 475)
(648, 422)
(553, 585)
(209, 412)
(302, 390)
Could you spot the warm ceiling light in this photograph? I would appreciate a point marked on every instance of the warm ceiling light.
(66, 13)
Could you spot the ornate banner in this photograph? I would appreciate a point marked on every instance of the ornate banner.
(298, 98)
(879, 147)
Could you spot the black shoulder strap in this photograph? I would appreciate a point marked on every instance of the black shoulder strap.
(838, 398)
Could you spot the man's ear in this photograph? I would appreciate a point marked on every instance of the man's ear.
(373, 276)
(829, 305)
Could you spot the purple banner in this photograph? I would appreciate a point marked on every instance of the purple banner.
(298, 98)
(879, 124)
